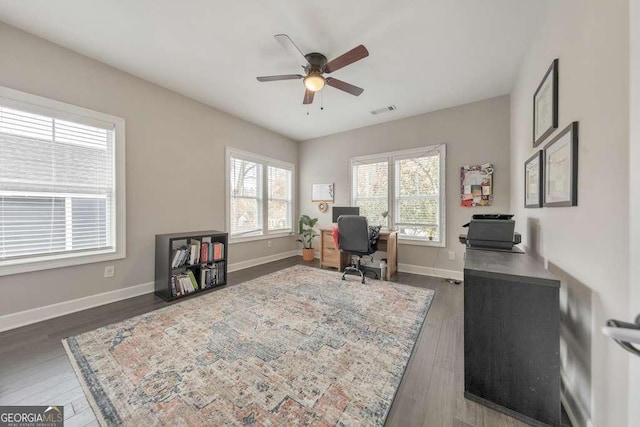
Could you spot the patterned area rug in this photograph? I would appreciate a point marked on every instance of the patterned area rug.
(296, 347)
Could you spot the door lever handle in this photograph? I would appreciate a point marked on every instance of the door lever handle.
(624, 333)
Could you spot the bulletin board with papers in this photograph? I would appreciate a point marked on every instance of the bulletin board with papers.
(476, 185)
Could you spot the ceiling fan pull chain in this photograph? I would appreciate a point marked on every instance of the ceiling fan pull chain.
(321, 100)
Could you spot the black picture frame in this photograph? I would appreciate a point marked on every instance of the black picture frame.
(552, 73)
(538, 200)
(567, 137)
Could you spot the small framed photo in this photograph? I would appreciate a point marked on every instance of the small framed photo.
(545, 105)
(533, 181)
(561, 169)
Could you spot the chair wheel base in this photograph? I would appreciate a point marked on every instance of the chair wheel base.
(355, 270)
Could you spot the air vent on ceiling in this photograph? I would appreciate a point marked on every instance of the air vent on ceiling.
(384, 110)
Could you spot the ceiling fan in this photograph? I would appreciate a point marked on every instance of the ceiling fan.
(315, 65)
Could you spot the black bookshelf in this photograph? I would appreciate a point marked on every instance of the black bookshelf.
(166, 247)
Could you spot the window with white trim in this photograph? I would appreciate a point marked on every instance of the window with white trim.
(61, 184)
(403, 190)
(259, 196)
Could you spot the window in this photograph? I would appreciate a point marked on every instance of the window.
(259, 196)
(403, 190)
(61, 184)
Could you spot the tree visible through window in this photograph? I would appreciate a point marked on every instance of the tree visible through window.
(260, 195)
(402, 190)
(246, 197)
(371, 184)
(418, 196)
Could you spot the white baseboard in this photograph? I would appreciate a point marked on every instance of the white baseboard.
(430, 271)
(34, 315)
(27, 317)
(258, 261)
(577, 414)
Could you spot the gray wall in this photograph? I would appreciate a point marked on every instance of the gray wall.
(474, 133)
(589, 242)
(634, 197)
(169, 137)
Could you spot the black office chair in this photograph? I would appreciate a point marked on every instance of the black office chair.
(355, 238)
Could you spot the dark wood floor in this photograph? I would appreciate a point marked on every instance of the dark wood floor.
(34, 369)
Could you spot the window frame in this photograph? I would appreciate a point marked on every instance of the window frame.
(265, 162)
(60, 110)
(390, 158)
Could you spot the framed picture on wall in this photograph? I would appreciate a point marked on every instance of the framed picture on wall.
(545, 105)
(322, 193)
(533, 181)
(561, 169)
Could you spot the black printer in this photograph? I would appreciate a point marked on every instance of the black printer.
(491, 232)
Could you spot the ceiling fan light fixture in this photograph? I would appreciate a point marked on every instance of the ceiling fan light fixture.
(314, 81)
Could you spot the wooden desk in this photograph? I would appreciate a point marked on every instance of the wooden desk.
(332, 257)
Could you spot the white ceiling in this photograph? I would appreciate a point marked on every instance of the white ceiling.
(425, 55)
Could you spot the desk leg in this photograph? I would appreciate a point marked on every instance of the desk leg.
(345, 260)
(392, 255)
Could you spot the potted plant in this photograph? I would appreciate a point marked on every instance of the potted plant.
(431, 233)
(307, 233)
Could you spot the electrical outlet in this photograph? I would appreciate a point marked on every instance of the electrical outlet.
(109, 271)
(452, 255)
(268, 243)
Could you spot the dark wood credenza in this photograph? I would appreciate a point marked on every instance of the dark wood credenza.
(512, 336)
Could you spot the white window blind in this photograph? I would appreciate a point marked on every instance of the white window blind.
(417, 194)
(260, 195)
(56, 185)
(407, 186)
(370, 185)
(280, 198)
(62, 189)
(246, 197)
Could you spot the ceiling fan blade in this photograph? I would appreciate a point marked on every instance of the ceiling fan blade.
(293, 50)
(308, 96)
(349, 88)
(355, 54)
(280, 77)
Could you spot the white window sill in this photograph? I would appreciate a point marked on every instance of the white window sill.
(26, 265)
(416, 242)
(273, 235)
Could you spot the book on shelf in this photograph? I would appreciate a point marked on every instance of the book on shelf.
(195, 252)
(176, 258)
(192, 278)
(173, 286)
(204, 252)
(220, 272)
(218, 251)
(180, 256)
(214, 274)
(183, 284)
(180, 290)
(205, 277)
